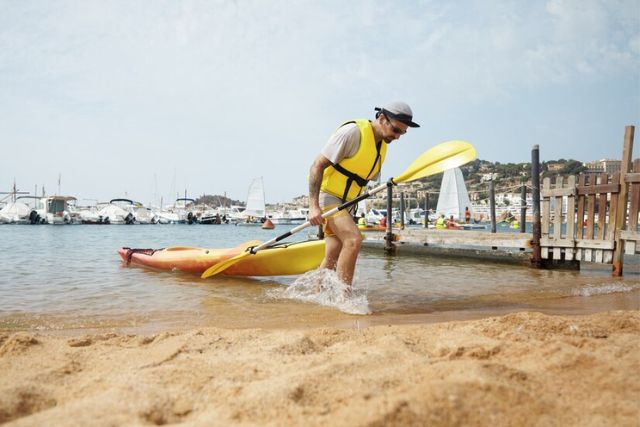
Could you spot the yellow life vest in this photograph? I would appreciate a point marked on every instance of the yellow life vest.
(347, 178)
(440, 223)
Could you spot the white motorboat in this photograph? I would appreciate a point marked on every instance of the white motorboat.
(182, 211)
(89, 214)
(144, 215)
(38, 214)
(61, 210)
(185, 208)
(212, 216)
(117, 211)
(17, 213)
(232, 214)
(415, 216)
(167, 217)
(373, 215)
(290, 216)
(126, 211)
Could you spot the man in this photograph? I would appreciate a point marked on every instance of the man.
(362, 221)
(352, 157)
(467, 215)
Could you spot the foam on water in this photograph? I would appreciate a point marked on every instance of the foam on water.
(602, 289)
(323, 287)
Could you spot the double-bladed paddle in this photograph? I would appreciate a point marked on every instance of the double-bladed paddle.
(443, 156)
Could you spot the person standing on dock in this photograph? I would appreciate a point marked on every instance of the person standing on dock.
(362, 222)
(350, 159)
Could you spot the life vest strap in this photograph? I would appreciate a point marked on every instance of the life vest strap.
(351, 177)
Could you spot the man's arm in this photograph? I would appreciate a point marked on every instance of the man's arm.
(315, 180)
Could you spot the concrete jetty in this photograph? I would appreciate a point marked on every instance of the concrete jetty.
(501, 247)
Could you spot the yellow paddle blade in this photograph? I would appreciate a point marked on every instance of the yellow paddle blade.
(221, 266)
(447, 155)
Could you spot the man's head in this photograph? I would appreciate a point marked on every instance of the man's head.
(395, 118)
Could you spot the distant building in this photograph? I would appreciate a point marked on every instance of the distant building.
(488, 177)
(603, 165)
(301, 200)
(554, 166)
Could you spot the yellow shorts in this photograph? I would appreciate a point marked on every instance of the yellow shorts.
(326, 228)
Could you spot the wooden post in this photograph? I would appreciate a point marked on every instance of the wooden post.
(389, 247)
(492, 204)
(426, 209)
(536, 258)
(625, 167)
(402, 207)
(523, 208)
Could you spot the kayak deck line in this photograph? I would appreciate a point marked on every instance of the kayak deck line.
(131, 251)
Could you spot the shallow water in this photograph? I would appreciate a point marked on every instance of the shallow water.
(67, 277)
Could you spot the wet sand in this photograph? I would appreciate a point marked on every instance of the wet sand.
(523, 368)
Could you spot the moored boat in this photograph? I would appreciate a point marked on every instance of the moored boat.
(61, 210)
(117, 211)
(290, 216)
(16, 213)
(37, 205)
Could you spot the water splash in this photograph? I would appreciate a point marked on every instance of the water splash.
(323, 287)
(604, 289)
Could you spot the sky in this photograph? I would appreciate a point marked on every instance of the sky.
(149, 99)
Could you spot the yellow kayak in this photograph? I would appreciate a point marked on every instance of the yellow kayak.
(371, 227)
(279, 260)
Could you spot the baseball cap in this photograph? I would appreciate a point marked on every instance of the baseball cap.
(399, 111)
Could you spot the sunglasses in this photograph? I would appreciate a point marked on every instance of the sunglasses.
(395, 129)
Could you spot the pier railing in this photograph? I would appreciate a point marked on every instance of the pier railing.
(631, 236)
(593, 217)
(578, 220)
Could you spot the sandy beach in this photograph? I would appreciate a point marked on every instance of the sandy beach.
(517, 369)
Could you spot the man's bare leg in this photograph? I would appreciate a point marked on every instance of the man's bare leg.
(331, 252)
(347, 232)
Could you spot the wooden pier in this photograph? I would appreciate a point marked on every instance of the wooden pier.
(591, 218)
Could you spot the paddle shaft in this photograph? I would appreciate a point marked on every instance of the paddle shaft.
(343, 206)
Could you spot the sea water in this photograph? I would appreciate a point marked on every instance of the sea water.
(71, 277)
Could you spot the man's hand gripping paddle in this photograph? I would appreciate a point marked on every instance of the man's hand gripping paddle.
(443, 156)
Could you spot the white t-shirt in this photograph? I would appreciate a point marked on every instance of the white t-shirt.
(344, 143)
